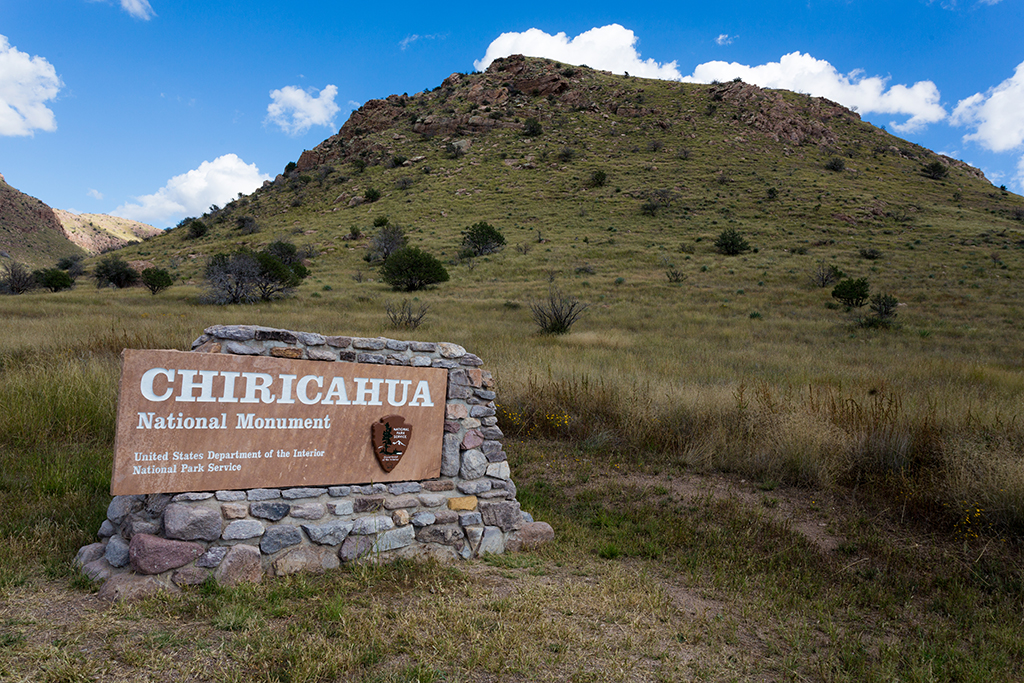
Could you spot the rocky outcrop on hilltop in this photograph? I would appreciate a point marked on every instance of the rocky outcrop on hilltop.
(97, 233)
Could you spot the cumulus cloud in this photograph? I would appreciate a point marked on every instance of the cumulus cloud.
(296, 110)
(26, 84)
(612, 48)
(191, 194)
(95, 194)
(996, 115)
(724, 39)
(804, 73)
(140, 9)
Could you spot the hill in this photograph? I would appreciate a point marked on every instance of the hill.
(36, 235)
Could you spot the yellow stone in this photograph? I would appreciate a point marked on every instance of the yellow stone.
(286, 352)
(462, 503)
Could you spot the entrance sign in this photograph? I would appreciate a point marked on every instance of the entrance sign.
(210, 421)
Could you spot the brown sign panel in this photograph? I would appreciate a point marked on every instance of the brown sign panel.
(206, 422)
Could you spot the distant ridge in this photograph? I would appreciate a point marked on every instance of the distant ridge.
(36, 235)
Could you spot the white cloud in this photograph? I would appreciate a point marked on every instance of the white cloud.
(997, 116)
(95, 194)
(410, 39)
(191, 194)
(295, 110)
(26, 84)
(724, 39)
(612, 48)
(140, 9)
(804, 73)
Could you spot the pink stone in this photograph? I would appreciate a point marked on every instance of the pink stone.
(240, 565)
(150, 554)
(530, 536)
(473, 439)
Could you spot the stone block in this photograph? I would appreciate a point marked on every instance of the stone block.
(243, 529)
(432, 500)
(230, 496)
(212, 557)
(394, 539)
(272, 334)
(338, 491)
(234, 510)
(191, 523)
(444, 534)
(122, 506)
(371, 525)
(529, 536)
(90, 553)
(456, 411)
(474, 464)
(367, 504)
(278, 538)
(191, 497)
(305, 492)
(150, 554)
(449, 350)
(98, 570)
(368, 344)
(439, 484)
(287, 352)
(462, 503)
(473, 439)
(189, 576)
(116, 552)
(269, 510)
(308, 511)
(491, 543)
(263, 494)
(322, 354)
(498, 470)
(400, 517)
(471, 488)
(339, 342)
(329, 533)
(505, 515)
(341, 507)
(401, 503)
(423, 347)
(354, 547)
(242, 564)
(450, 458)
(240, 349)
(470, 519)
(445, 516)
(403, 487)
(422, 519)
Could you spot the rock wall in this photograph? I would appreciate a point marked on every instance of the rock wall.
(168, 540)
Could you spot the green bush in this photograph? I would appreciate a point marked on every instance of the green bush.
(54, 279)
(731, 243)
(411, 268)
(852, 293)
(156, 280)
(836, 164)
(884, 306)
(532, 128)
(115, 271)
(247, 225)
(193, 228)
(246, 276)
(936, 170)
(481, 238)
(388, 240)
(597, 179)
(371, 195)
(16, 278)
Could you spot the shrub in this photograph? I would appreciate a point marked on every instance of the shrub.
(852, 293)
(870, 253)
(481, 238)
(380, 221)
(650, 207)
(289, 167)
(54, 279)
(247, 225)
(359, 165)
(836, 164)
(597, 179)
(193, 228)
(410, 268)
(156, 280)
(532, 128)
(824, 275)
(675, 276)
(884, 306)
(371, 195)
(405, 315)
(16, 278)
(558, 313)
(454, 151)
(566, 154)
(388, 240)
(246, 276)
(403, 183)
(936, 170)
(116, 272)
(731, 243)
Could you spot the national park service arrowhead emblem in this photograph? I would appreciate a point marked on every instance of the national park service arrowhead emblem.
(391, 436)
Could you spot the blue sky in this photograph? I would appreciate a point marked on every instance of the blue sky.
(155, 110)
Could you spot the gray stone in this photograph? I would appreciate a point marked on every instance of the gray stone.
(191, 496)
(528, 518)
(443, 534)
(423, 347)
(432, 500)
(472, 439)
(506, 484)
(354, 547)
(308, 511)
(280, 537)
(439, 485)
(494, 494)
(269, 510)
(91, 553)
(322, 354)
(404, 487)
(492, 542)
(274, 334)
(421, 362)
(474, 464)
(156, 503)
(450, 455)
(339, 342)
(98, 570)
(421, 519)
(143, 527)
(459, 393)
(530, 536)
(263, 494)
(489, 421)
(372, 525)
(395, 345)
(496, 456)
(442, 363)
(401, 503)
(485, 394)
(242, 564)
(304, 559)
(106, 529)
(307, 492)
(471, 488)
(370, 489)
(394, 539)
(470, 518)
(191, 523)
(230, 496)
(122, 506)
(212, 557)
(150, 554)
(499, 470)
(371, 358)
(116, 552)
(449, 350)
(240, 349)
(492, 433)
(236, 332)
(445, 516)
(473, 535)
(481, 411)
(505, 515)
(342, 507)
(189, 576)
(339, 491)
(329, 533)
(200, 340)
(489, 447)
(471, 360)
(311, 338)
(367, 504)
(368, 344)
(243, 529)
(458, 377)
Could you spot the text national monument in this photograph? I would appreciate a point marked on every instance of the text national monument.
(267, 451)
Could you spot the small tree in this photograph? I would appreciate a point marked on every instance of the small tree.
(16, 278)
(411, 268)
(247, 225)
(884, 306)
(371, 195)
(731, 243)
(115, 271)
(388, 240)
(53, 279)
(835, 164)
(193, 228)
(597, 179)
(73, 265)
(824, 274)
(156, 280)
(852, 293)
(481, 238)
(532, 128)
(935, 170)
(558, 313)
(231, 278)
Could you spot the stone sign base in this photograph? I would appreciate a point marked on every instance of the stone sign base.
(160, 540)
